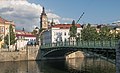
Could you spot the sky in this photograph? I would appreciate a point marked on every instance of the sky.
(26, 13)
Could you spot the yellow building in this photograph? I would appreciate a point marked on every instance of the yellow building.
(4, 29)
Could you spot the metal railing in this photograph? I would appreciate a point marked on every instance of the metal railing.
(83, 44)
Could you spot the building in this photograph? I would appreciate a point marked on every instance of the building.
(4, 29)
(58, 33)
(43, 20)
(24, 38)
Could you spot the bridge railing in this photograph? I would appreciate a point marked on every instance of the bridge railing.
(87, 44)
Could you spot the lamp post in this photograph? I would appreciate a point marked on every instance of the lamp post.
(8, 31)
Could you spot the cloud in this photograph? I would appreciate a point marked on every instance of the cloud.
(27, 15)
(24, 14)
(67, 19)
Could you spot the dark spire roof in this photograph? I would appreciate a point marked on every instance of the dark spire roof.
(43, 12)
(52, 22)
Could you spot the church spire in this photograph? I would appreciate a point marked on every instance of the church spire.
(43, 12)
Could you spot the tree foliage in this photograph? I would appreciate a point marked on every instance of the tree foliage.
(104, 33)
(89, 33)
(12, 36)
(73, 30)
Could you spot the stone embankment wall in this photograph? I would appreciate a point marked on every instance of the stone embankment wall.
(28, 53)
(118, 58)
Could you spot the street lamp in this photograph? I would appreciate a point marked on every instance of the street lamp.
(8, 31)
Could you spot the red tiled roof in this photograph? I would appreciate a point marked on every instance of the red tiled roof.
(2, 20)
(65, 26)
(24, 33)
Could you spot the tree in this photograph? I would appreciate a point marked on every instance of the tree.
(104, 33)
(89, 33)
(12, 36)
(73, 29)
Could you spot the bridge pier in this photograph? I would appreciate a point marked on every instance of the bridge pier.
(118, 58)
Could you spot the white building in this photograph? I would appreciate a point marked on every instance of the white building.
(24, 38)
(58, 33)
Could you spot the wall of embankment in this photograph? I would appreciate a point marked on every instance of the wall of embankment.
(27, 53)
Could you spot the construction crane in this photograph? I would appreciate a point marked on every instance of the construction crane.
(80, 17)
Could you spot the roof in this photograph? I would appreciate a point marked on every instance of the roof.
(3, 20)
(24, 33)
(65, 26)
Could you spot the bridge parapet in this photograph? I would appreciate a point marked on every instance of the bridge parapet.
(102, 49)
(82, 44)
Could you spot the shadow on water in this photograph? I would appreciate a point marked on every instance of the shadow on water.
(53, 66)
(87, 65)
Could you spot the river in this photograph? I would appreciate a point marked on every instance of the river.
(76, 65)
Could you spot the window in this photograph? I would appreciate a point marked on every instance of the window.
(1, 29)
(65, 33)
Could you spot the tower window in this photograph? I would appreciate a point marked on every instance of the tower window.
(65, 33)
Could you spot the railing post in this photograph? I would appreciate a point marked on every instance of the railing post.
(111, 43)
(81, 42)
(118, 58)
(94, 43)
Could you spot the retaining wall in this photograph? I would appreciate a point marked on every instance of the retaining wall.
(28, 53)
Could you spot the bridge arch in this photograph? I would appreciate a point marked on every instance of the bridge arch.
(61, 52)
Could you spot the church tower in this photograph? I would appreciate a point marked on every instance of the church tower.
(43, 20)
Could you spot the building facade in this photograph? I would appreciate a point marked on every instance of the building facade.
(58, 33)
(24, 38)
(4, 29)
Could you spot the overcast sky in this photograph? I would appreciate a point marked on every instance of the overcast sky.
(26, 13)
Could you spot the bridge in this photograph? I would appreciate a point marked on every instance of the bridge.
(102, 49)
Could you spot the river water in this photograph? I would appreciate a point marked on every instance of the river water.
(77, 65)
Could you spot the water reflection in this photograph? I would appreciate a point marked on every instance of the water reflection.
(90, 65)
(19, 67)
(78, 65)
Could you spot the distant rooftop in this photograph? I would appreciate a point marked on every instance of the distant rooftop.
(24, 33)
(65, 26)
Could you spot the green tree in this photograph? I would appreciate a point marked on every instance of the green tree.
(104, 33)
(89, 33)
(12, 36)
(73, 29)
